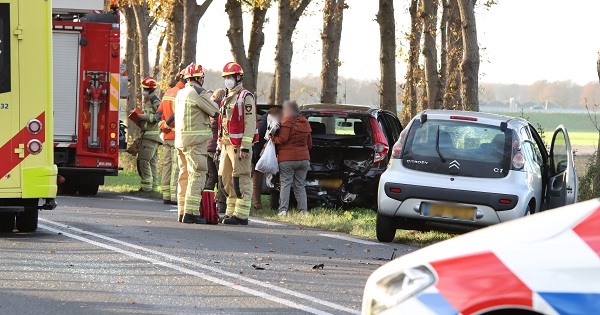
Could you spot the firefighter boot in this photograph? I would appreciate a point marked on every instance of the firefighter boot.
(193, 218)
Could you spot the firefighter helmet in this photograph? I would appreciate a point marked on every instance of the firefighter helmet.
(149, 83)
(232, 68)
(181, 73)
(193, 71)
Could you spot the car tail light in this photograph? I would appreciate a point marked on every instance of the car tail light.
(397, 149)
(463, 118)
(518, 161)
(517, 145)
(113, 135)
(395, 190)
(112, 151)
(113, 126)
(381, 145)
(34, 146)
(34, 126)
(505, 201)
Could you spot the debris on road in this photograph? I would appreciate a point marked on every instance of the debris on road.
(319, 266)
(394, 254)
(258, 267)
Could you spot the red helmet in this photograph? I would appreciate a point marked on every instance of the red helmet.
(149, 83)
(193, 71)
(232, 68)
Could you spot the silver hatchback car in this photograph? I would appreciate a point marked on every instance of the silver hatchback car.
(472, 169)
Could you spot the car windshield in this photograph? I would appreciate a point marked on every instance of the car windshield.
(351, 129)
(461, 148)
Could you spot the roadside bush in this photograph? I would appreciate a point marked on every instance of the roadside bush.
(588, 187)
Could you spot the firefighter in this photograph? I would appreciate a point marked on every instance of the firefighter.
(237, 133)
(147, 158)
(193, 109)
(170, 169)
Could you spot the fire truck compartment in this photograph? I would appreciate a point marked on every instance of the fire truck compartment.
(66, 77)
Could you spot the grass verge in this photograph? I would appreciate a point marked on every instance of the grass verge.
(359, 222)
(128, 182)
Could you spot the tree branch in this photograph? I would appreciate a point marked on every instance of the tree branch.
(297, 13)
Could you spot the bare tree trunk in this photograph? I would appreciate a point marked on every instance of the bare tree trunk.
(288, 17)
(192, 13)
(409, 99)
(333, 15)
(249, 61)
(173, 63)
(141, 19)
(432, 79)
(452, 98)
(387, 56)
(272, 91)
(470, 61)
(443, 49)
(130, 54)
(159, 49)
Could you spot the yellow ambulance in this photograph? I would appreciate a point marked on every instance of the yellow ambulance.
(28, 176)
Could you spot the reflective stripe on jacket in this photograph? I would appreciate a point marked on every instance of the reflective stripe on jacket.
(193, 109)
(150, 126)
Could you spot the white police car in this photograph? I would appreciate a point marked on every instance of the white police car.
(543, 264)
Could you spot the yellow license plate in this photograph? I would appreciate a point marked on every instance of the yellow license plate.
(330, 183)
(440, 210)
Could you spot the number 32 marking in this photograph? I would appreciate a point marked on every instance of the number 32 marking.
(3, 106)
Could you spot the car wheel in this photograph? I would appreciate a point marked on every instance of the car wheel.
(7, 222)
(88, 190)
(27, 221)
(385, 228)
(528, 211)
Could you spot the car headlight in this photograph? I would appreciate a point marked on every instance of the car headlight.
(395, 288)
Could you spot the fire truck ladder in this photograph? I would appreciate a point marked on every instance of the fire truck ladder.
(97, 93)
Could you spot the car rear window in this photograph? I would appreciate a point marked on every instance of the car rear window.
(461, 148)
(347, 128)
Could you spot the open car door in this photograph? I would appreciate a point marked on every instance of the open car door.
(563, 183)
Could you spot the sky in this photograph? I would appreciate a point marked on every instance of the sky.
(521, 41)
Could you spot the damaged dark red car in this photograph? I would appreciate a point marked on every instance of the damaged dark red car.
(351, 149)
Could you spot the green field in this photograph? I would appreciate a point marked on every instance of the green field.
(582, 131)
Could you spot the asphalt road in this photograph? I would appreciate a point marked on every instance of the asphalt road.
(115, 254)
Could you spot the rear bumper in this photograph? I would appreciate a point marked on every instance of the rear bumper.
(407, 204)
(490, 200)
(88, 170)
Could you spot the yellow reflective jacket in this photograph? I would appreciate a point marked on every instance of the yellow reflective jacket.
(149, 125)
(193, 109)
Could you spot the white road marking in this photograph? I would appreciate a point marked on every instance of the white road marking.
(350, 239)
(138, 198)
(206, 267)
(172, 210)
(191, 272)
(252, 220)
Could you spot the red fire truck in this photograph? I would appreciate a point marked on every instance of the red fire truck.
(86, 56)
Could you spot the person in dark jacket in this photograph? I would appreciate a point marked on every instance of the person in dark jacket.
(211, 145)
(257, 148)
(294, 141)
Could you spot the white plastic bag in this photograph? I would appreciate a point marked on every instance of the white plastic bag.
(267, 163)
